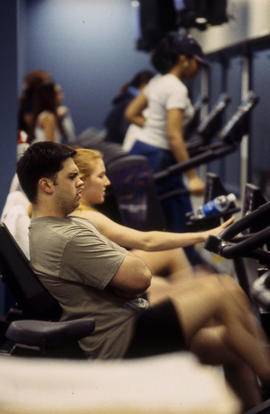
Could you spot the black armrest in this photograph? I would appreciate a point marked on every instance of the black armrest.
(43, 333)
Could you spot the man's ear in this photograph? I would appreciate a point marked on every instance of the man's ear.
(46, 185)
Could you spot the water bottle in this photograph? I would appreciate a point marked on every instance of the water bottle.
(217, 205)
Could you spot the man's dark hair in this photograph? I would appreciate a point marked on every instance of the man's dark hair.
(43, 159)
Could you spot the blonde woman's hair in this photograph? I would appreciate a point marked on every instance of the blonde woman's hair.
(86, 160)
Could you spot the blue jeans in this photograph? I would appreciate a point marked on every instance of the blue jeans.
(175, 207)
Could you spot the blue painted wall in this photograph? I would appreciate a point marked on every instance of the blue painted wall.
(8, 101)
(88, 46)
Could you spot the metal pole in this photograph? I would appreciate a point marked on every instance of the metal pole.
(204, 110)
(244, 148)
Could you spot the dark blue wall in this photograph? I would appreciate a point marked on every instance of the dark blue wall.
(8, 101)
(88, 46)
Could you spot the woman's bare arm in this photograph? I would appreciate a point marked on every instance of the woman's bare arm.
(133, 113)
(145, 240)
(178, 147)
(48, 124)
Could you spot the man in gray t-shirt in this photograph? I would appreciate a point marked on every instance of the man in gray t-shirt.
(83, 264)
(91, 276)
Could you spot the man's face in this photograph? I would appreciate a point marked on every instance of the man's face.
(67, 187)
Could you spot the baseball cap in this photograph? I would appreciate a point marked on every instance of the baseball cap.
(187, 45)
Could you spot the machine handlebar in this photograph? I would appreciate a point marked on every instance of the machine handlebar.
(229, 246)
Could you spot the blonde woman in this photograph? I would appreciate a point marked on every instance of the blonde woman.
(161, 251)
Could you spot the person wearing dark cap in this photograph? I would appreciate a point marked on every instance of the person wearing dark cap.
(177, 57)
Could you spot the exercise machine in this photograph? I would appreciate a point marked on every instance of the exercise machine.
(247, 243)
(226, 142)
(247, 238)
(209, 127)
(133, 184)
(194, 122)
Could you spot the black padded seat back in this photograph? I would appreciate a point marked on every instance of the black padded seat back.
(135, 192)
(111, 151)
(32, 297)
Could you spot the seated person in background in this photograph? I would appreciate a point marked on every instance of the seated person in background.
(161, 251)
(32, 81)
(92, 276)
(115, 123)
(51, 120)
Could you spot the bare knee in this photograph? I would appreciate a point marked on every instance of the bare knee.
(226, 293)
(232, 287)
(210, 346)
(212, 284)
(228, 281)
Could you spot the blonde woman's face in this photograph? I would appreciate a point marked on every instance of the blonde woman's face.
(95, 185)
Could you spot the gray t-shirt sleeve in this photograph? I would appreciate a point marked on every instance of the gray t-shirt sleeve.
(91, 259)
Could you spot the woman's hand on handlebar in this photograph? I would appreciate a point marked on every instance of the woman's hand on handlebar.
(215, 231)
